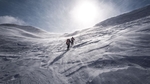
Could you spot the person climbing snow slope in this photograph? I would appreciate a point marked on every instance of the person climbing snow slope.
(72, 41)
(68, 43)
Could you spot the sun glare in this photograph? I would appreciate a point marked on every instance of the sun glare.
(85, 12)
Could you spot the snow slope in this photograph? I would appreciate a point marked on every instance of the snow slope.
(114, 54)
(127, 17)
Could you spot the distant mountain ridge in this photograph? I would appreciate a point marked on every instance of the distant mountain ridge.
(127, 17)
(25, 28)
(21, 31)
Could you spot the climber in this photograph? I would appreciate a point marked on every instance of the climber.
(72, 41)
(68, 43)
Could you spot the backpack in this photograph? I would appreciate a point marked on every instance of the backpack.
(72, 39)
(68, 41)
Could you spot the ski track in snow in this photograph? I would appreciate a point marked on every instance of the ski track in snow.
(101, 55)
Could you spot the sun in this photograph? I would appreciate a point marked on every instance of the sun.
(85, 12)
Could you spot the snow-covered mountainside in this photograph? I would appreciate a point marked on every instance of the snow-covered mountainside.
(127, 17)
(114, 54)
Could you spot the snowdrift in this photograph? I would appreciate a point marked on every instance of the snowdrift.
(105, 54)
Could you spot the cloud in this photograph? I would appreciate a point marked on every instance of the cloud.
(11, 20)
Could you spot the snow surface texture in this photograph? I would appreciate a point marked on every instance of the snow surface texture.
(117, 54)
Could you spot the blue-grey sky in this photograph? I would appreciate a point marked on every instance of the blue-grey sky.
(62, 16)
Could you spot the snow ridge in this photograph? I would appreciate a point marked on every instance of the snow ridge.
(127, 17)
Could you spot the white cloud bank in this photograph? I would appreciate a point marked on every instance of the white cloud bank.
(11, 20)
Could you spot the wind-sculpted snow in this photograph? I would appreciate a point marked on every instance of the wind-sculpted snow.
(101, 55)
(21, 55)
(111, 55)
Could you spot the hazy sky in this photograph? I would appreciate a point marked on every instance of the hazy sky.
(64, 15)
